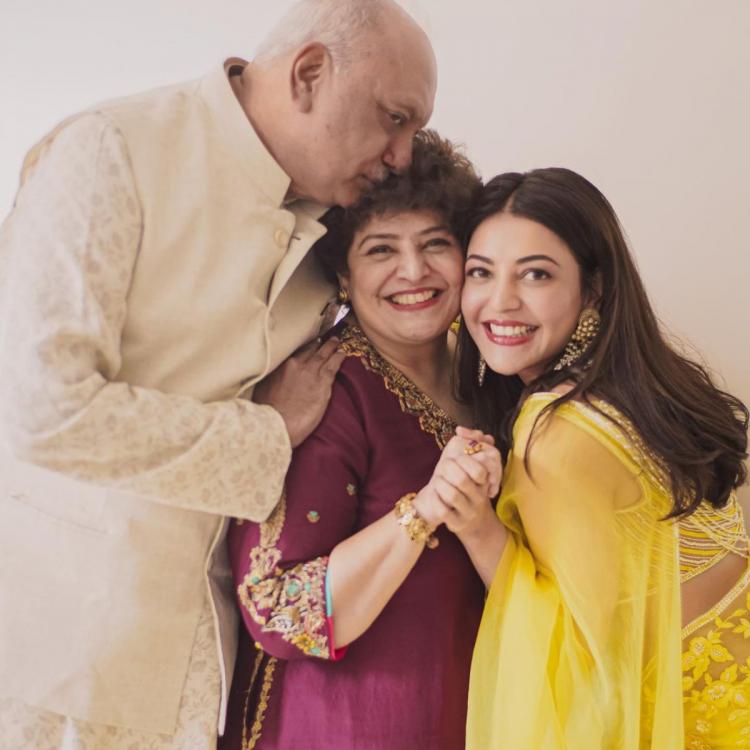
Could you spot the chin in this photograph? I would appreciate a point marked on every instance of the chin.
(425, 334)
(348, 197)
(506, 369)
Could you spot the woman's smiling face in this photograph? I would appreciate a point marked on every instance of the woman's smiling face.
(522, 294)
(405, 272)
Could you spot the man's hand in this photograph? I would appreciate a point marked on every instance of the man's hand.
(300, 388)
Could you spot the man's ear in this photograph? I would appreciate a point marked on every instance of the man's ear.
(310, 67)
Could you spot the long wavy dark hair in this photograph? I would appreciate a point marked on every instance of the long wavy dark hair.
(698, 431)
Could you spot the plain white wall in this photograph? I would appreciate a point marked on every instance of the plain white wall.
(648, 99)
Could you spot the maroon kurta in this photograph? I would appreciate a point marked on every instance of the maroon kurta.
(403, 684)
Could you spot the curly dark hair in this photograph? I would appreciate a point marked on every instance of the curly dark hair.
(440, 179)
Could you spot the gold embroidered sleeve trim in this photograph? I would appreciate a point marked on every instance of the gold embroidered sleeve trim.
(432, 418)
(290, 603)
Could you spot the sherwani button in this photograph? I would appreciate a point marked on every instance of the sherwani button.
(281, 238)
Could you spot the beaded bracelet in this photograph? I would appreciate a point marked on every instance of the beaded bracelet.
(416, 527)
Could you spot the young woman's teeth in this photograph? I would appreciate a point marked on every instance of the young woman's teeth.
(413, 299)
(511, 330)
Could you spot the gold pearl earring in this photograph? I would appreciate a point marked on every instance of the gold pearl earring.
(589, 324)
(481, 370)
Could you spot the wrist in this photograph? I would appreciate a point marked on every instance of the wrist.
(418, 528)
(425, 507)
(487, 526)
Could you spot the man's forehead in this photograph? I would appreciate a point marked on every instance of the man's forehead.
(402, 64)
(406, 79)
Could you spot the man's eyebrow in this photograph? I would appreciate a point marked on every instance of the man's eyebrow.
(529, 258)
(412, 111)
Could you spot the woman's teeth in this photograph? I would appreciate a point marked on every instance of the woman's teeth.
(511, 330)
(413, 299)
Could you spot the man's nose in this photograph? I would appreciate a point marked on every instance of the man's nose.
(398, 155)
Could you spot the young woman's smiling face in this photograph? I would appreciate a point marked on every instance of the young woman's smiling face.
(522, 294)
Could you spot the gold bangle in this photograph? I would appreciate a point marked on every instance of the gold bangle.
(415, 526)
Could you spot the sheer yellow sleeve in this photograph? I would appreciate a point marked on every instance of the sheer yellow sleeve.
(579, 646)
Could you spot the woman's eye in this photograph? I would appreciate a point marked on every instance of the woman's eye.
(536, 274)
(437, 242)
(378, 250)
(477, 273)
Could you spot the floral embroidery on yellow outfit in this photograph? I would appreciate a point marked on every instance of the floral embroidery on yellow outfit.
(716, 645)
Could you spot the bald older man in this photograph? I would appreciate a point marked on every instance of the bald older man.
(153, 270)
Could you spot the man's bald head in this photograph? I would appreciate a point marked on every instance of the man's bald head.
(346, 27)
(338, 91)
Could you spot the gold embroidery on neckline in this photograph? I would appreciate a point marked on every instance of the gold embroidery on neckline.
(432, 418)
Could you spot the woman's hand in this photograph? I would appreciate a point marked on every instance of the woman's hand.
(466, 477)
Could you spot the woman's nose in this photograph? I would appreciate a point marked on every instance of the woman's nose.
(505, 296)
(413, 266)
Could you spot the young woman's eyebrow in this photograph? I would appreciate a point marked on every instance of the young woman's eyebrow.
(475, 256)
(529, 258)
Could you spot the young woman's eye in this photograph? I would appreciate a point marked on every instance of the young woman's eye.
(477, 272)
(536, 274)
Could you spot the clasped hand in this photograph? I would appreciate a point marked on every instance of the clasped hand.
(466, 478)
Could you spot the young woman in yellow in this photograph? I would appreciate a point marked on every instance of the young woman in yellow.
(618, 614)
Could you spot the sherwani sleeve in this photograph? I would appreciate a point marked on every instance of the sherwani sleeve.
(280, 566)
(67, 254)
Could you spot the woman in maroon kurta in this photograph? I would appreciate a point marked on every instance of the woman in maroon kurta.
(402, 684)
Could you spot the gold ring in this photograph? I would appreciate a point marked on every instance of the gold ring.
(473, 447)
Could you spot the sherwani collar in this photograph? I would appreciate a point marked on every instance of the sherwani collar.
(241, 139)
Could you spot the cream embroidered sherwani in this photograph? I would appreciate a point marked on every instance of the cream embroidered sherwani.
(150, 274)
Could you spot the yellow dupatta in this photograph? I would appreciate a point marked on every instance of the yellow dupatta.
(579, 646)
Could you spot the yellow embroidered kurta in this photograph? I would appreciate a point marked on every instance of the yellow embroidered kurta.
(580, 643)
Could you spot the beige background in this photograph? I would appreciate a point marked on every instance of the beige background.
(650, 100)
